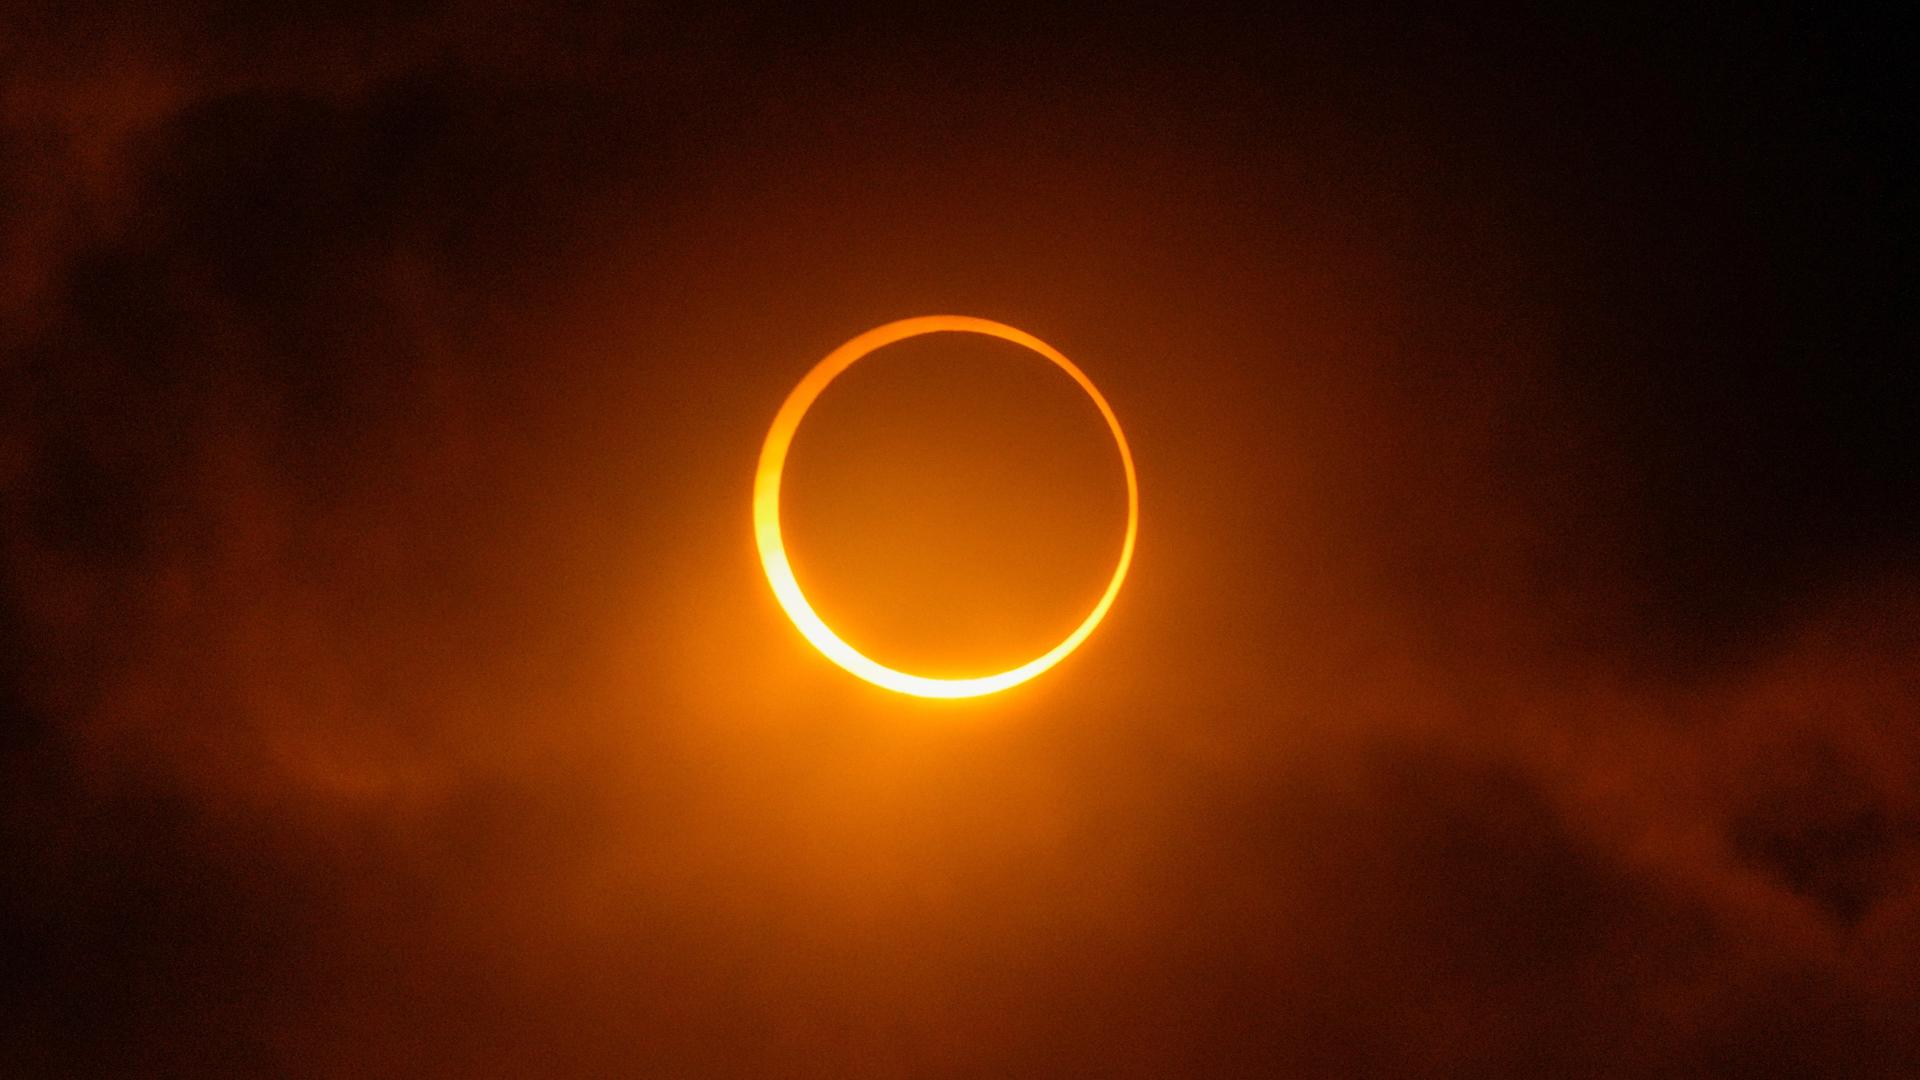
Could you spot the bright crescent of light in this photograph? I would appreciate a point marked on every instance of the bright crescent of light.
(773, 550)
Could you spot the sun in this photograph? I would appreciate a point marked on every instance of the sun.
(773, 551)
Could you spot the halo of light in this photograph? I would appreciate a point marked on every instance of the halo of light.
(773, 550)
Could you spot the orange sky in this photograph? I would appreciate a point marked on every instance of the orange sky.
(1514, 678)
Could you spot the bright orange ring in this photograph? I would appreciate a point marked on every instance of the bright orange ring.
(773, 551)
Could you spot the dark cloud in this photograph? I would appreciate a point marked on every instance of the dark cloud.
(1517, 678)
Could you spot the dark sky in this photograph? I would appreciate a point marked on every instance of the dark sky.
(1519, 675)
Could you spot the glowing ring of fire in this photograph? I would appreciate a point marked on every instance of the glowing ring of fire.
(773, 551)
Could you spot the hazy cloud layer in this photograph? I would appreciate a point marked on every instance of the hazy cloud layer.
(1518, 677)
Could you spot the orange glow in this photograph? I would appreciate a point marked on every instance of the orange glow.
(773, 552)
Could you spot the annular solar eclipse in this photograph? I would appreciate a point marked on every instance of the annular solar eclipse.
(773, 553)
